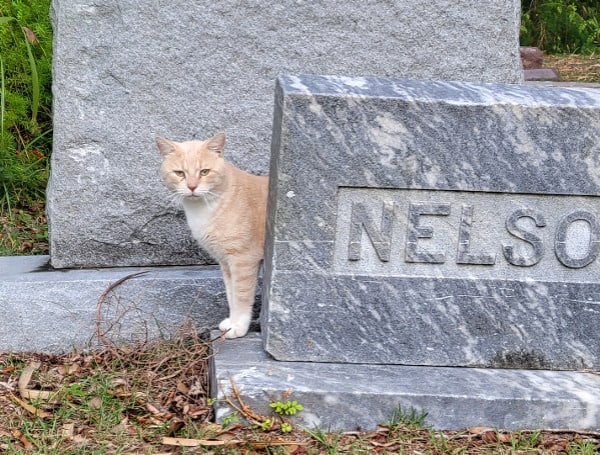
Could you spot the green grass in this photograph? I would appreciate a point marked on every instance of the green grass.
(25, 121)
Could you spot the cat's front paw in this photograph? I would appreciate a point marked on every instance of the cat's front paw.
(232, 330)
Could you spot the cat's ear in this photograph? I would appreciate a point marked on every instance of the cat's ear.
(165, 146)
(217, 143)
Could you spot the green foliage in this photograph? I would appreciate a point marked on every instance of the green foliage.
(558, 26)
(25, 101)
(286, 427)
(286, 408)
(231, 419)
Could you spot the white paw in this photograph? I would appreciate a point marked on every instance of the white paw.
(233, 330)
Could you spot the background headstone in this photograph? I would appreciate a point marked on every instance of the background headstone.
(433, 223)
(125, 71)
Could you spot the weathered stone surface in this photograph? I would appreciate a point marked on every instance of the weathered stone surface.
(542, 74)
(532, 58)
(125, 71)
(342, 397)
(46, 310)
(432, 223)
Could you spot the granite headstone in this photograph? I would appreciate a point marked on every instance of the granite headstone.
(433, 223)
(127, 70)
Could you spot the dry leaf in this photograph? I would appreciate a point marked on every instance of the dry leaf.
(31, 37)
(489, 437)
(264, 444)
(216, 428)
(387, 444)
(67, 430)
(29, 394)
(181, 387)
(184, 442)
(479, 430)
(68, 369)
(153, 409)
(26, 374)
(118, 382)
(79, 439)
(505, 437)
(21, 437)
(24, 380)
(95, 403)
(31, 409)
(175, 426)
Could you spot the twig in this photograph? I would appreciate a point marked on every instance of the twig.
(108, 290)
(242, 408)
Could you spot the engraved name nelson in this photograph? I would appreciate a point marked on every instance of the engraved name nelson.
(380, 230)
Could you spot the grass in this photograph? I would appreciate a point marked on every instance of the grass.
(575, 68)
(120, 400)
(153, 399)
(24, 230)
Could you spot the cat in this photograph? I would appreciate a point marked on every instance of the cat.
(225, 208)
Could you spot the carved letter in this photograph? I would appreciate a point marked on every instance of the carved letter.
(560, 243)
(381, 239)
(415, 232)
(520, 233)
(464, 256)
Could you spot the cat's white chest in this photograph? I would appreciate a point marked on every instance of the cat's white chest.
(198, 216)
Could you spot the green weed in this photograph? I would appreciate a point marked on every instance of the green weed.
(286, 408)
(411, 418)
(584, 448)
(329, 441)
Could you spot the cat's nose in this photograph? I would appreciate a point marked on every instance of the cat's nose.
(192, 187)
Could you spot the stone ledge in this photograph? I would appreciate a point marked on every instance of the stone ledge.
(46, 310)
(349, 397)
(541, 74)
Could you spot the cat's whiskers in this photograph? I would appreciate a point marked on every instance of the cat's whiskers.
(210, 198)
(175, 198)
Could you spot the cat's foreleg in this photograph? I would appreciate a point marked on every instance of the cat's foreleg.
(227, 280)
(243, 279)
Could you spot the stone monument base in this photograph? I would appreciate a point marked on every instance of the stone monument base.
(344, 397)
(52, 311)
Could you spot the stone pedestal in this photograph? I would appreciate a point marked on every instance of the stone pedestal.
(346, 397)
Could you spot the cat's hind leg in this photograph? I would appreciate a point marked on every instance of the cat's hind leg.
(242, 289)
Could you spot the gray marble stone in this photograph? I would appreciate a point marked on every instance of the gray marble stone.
(342, 397)
(45, 310)
(433, 223)
(127, 70)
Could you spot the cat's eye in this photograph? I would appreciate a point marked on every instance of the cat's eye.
(179, 174)
(204, 172)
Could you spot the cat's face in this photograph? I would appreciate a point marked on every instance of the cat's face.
(193, 169)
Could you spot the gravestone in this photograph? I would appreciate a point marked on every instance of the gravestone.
(125, 71)
(433, 223)
(431, 246)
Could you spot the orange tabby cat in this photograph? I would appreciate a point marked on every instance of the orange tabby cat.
(225, 209)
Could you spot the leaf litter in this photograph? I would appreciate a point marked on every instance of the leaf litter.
(155, 398)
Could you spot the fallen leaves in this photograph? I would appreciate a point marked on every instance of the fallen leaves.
(159, 396)
(92, 398)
